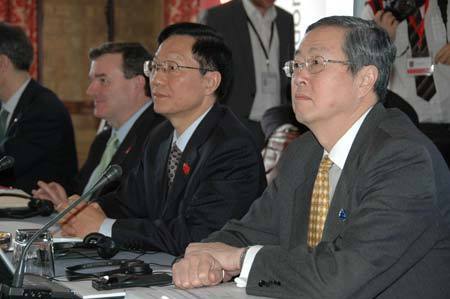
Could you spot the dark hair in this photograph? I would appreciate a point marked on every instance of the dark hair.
(133, 55)
(365, 44)
(15, 44)
(209, 50)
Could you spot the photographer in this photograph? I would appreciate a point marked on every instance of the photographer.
(421, 73)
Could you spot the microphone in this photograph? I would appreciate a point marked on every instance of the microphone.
(6, 162)
(114, 172)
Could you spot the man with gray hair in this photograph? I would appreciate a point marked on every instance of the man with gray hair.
(350, 214)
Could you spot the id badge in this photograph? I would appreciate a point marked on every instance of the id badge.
(420, 66)
(269, 82)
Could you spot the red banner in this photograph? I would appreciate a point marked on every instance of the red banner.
(23, 13)
(176, 11)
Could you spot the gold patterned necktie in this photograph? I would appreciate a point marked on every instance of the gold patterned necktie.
(320, 202)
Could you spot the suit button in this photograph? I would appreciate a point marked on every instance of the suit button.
(277, 282)
(262, 283)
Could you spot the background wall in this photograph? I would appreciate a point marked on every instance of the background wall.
(69, 29)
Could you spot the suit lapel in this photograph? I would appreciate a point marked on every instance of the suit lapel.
(342, 199)
(22, 104)
(160, 166)
(191, 154)
(302, 202)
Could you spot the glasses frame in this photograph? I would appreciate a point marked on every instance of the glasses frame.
(307, 65)
(148, 72)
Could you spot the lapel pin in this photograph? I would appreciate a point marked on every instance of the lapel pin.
(128, 150)
(186, 169)
(342, 215)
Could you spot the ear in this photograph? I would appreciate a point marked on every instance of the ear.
(211, 81)
(3, 62)
(139, 83)
(367, 76)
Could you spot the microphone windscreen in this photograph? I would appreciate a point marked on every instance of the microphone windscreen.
(6, 162)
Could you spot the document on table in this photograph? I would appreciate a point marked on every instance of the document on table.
(84, 289)
(12, 198)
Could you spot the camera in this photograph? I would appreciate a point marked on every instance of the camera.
(401, 9)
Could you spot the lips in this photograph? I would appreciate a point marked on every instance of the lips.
(159, 95)
(301, 97)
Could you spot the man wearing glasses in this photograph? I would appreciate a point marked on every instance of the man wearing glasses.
(199, 169)
(350, 214)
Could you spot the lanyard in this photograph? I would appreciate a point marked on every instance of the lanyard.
(266, 53)
(419, 28)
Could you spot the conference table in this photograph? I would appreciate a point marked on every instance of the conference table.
(159, 262)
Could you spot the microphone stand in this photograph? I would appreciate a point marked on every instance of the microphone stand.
(111, 174)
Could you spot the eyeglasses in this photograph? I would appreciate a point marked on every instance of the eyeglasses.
(168, 67)
(313, 64)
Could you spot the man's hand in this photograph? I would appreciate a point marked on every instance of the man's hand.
(83, 220)
(443, 56)
(387, 21)
(206, 264)
(53, 192)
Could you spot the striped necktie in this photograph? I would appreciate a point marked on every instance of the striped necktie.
(3, 126)
(425, 87)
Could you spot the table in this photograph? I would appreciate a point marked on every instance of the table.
(85, 290)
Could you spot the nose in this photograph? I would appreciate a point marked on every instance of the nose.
(90, 91)
(157, 78)
(299, 77)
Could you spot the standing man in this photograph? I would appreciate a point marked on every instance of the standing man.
(361, 205)
(121, 95)
(199, 169)
(261, 38)
(35, 127)
(421, 72)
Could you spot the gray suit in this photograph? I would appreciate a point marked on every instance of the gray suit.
(395, 240)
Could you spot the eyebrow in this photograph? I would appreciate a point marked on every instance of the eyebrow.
(94, 76)
(313, 49)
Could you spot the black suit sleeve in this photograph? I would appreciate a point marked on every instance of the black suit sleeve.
(42, 142)
(223, 187)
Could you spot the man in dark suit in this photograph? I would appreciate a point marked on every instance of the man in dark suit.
(35, 127)
(199, 169)
(261, 38)
(121, 95)
(372, 221)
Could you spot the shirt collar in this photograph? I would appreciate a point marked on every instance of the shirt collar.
(12, 102)
(339, 153)
(122, 132)
(253, 12)
(184, 138)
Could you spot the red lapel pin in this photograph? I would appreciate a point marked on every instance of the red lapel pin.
(186, 169)
(128, 150)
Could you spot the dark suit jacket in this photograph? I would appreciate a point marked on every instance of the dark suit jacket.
(40, 138)
(127, 155)
(395, 239)
(219, 175)
(230, 20)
